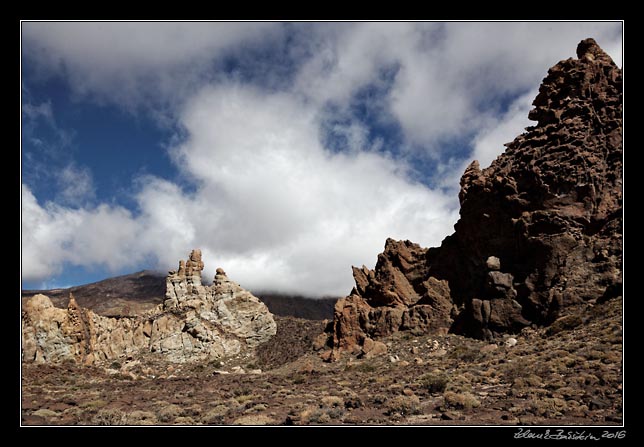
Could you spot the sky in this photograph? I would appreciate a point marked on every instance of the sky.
(286, 151)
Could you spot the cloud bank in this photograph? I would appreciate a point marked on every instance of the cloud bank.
(292, 178)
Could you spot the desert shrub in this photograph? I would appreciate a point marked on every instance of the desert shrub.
(215, 415)
(335, 412)
(94, 404)
(465, 354)
(460, 401)
(245, 400)
(257, 408)
(379, 399)
(548, 407)
(192, 411)
(365, 367)
(319, 417)
(332, 401)
(169, 413)
(109, 416)
(242, 390)
(353, 401)
(115, 365)
(184, 420)
(254, 419)
(514, 370)
(460, 383)
(534, 380)
(139, 417)
(403, 405)
(432, 382)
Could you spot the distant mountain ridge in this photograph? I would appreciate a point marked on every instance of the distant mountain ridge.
(138, 292)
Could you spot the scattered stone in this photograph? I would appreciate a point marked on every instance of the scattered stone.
(449, 416)
(489, 348)
(45, 413)
(371, 348)
(418, 361)
(439, 353)
(509, 342)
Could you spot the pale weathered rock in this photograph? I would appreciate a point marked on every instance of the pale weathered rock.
(493, 263)
(371, 348)
(195, 322)
(509, 342)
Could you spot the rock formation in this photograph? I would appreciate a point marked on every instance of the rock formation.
(195, 322)
(540, 230)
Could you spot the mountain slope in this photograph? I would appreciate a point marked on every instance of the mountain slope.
(138, 292)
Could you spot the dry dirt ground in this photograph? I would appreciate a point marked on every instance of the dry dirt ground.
(568, 374)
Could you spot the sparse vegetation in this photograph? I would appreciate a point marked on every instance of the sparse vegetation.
(215, 416)
(169, 413)
(460, 401)
(109, 416)
(433, 382)
(552, 379)
(403, 405)
(465, 354)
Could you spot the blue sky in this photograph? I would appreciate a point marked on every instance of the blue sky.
(287, 152)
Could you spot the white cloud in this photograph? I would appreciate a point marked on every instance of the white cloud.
(76, 185)
(489, 141)
(134, 64)
(36, 111)
(273, 207)
(269, 203)
(449, 74)
(53, 235)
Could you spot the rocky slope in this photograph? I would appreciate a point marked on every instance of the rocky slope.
(540, 230)
(562, 375)
(194, 322)
(124, 295)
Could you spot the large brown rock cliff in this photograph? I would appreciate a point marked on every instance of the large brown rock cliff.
(540, 230)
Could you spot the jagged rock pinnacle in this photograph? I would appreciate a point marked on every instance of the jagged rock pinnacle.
(589, 50)
(194, 323)
(540, 230)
